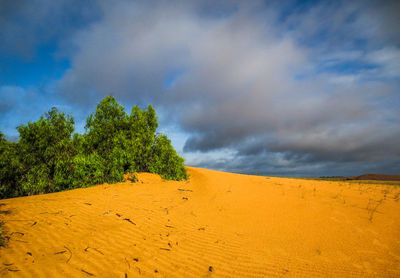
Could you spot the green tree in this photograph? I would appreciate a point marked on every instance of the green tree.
(10, 168)
(123, 142)
(166, 161)
(88, 170)
(48, 158)
(140, 136)
(46, 153)
(105, 137)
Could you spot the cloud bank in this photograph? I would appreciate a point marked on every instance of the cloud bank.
(255, 86)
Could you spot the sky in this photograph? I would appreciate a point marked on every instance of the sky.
(283, 88)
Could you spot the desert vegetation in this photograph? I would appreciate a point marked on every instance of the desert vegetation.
(50, 157)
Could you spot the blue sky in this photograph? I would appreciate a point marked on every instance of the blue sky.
(300, 88)
(43, 67)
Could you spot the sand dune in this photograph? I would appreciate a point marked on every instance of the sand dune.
(378, 177)
(214, 225)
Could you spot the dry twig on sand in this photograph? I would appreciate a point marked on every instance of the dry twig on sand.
(70, 253)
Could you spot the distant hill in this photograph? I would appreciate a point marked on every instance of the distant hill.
(378, 177)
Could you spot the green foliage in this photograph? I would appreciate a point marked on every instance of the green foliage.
(49, 157)
(104, 137)
(166, 161)
(46, 153)
(88, 170)
(10, 169)
(141, 135)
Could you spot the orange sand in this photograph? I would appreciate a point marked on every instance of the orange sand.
(215, 225)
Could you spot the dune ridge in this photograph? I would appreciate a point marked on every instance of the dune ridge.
(215, 224)
(378, 177)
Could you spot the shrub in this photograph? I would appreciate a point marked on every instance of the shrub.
(166, 161)
(88, 170)
(49, 158)
(10, 169)
(46, 152)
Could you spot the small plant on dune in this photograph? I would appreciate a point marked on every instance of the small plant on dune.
(372, 208)
(131, 177)
(48, 157)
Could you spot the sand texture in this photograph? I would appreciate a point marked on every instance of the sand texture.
(214, 225)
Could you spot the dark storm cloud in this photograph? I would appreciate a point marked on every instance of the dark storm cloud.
(26, 24)
(238, 85)
(282, 88)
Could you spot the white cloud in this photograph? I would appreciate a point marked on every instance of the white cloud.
(388, 59)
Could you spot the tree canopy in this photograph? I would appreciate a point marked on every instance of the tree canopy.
(49, 157)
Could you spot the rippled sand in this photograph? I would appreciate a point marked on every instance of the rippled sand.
(214, 225)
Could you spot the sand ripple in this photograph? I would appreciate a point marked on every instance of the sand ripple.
(216, 225)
